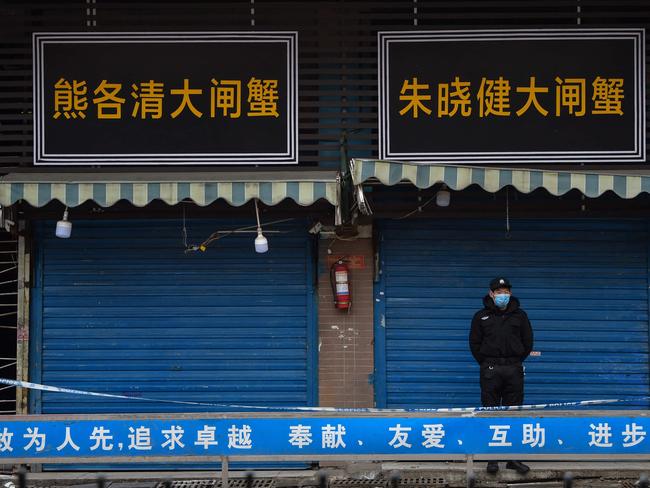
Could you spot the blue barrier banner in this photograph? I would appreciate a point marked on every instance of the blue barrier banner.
(254, 436)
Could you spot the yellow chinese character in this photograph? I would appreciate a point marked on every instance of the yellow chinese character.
(459, 97)
(226, 95)
(186, 91)
(263, 97)
(70, 100)
(148, 99)
(494, 97)
(570, 93)
(532, 91)
(414, 99)
(608, 96)
(109, 105)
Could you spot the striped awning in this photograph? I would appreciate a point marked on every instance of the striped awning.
(592, 184)
(203, 188)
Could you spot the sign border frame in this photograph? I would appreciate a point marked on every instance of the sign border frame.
(636, 34)
(41, 158)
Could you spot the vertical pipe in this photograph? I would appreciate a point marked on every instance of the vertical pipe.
(22, 329)
(224, 471)
(469, 470)
(322, 480)
(22, 478)
(568, 480)
(394, 479)
(471, 480)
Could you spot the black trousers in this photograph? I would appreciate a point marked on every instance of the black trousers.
(502, 384)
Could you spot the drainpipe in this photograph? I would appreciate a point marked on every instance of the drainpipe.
(346, 178)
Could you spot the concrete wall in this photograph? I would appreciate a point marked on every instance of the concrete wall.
(345, 338)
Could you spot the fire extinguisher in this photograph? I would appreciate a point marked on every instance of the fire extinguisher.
(340, 280)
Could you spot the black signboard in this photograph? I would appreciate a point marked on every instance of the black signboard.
(561, 95)
(165, 98)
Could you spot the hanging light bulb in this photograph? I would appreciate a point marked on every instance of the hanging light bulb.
(64, 226)
(443, 197)
(261, 243)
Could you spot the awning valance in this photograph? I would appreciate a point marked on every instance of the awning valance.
(106, 189)
(592, 184)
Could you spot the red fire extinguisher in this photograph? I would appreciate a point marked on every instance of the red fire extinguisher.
(340, 279)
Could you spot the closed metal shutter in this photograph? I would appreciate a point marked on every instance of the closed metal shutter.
(583, 283)
(120, 308)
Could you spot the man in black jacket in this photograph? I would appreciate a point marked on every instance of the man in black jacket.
(501, 339)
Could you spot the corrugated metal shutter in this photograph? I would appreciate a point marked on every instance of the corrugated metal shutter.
(120, 308)
(584, 284)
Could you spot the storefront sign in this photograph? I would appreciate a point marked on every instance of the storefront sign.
(561, 95)
(165, 98)
(320, 436)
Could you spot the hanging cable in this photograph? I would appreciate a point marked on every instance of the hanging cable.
(184, 231)
(220, 234)
(418, 209)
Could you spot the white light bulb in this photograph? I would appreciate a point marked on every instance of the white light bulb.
(442, 198)
(261, 244)
(64, 226)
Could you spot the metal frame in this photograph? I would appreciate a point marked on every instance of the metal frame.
(22, 336)
(379, 322)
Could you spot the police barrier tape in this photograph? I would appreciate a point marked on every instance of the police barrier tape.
(540, 406)
(326, 433)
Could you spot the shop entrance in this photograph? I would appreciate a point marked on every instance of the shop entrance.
(584, 284)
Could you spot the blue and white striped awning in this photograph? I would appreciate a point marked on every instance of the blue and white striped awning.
(591, 184)
(203, 188)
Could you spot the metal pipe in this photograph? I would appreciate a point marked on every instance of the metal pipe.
(568, 480)
(394, 479)
(22, 477)
(471, 480)
(322, 480)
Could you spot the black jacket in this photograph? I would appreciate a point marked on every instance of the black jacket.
(504, 334)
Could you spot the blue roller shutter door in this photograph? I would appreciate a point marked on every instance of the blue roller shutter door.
(584, 284)
(120, 308)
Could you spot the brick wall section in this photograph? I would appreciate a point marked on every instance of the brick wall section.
(345, 360)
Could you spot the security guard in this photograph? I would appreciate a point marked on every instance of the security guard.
(500, 339)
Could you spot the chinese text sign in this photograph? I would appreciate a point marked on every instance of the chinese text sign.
(165, 98)
(514, 95)
(119, 438)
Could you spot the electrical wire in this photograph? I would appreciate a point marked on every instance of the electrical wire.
(184, 231)
(418, 209)
(215, 236)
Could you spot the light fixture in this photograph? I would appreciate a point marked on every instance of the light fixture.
(443, 197)
(261, 244)
(64, 226)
